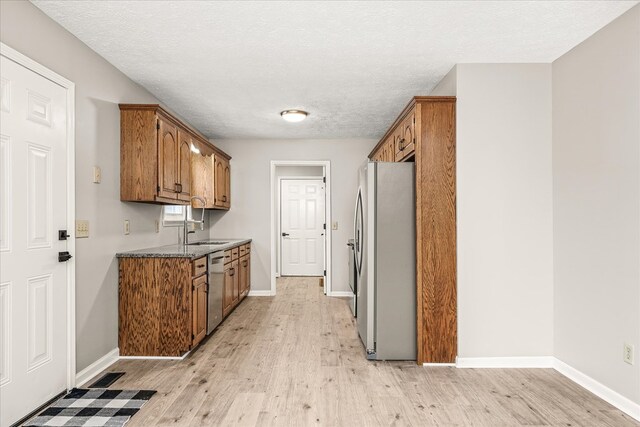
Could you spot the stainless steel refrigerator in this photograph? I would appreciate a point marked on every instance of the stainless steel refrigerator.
(384, 245)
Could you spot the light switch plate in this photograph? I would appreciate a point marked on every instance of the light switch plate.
(127, 227)
(97, 174)
(82, 228)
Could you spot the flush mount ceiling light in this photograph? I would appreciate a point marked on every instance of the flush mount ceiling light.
(294, 115)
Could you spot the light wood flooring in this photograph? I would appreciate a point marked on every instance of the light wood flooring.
(296, 360)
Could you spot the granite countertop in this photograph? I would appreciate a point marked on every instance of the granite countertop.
(182, 251)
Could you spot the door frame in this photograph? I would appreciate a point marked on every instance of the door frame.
(70, 87)
(279, 218)
(326, 164)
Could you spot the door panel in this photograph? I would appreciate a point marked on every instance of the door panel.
(33, 284)
(227, 299)
(302, 225)
(167, 158)
(219, 182)
(184, 165)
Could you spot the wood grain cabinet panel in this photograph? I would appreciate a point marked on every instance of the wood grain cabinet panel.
(230, 277)
(424, 132)
(167, 158)
(245, 271)
(199, 317)
(156, 159)
(155, 306)
(222, 186)
(202, 180)
(183, 170)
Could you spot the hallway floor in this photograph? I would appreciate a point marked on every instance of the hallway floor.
(295, 359)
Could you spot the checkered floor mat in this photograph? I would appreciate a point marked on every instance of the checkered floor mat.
(93, 407)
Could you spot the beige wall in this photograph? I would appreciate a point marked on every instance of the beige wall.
(596, 173)
(250, 214)
(99, 89)
(504, 208)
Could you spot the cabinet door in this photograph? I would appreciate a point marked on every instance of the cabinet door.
(244, 276)
(236, 281)
(184, 165)
(167, 158)
(219, 182)
(227, 298)
(408, 138)
(202, 179)
(199, 309)
(227, 184)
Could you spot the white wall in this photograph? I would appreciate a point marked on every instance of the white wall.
(596, 172)
(99, 89)
(250, 202)
(288, 171)
(504, 208)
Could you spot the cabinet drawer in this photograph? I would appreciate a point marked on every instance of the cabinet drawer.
(247, 248)
(243, 250)
(199, 266)
(227, 256)
(235, 252)
(199, 280)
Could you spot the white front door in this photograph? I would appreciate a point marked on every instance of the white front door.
(302, 227)
(33, 200)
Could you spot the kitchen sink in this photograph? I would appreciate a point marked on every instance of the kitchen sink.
(210, 243)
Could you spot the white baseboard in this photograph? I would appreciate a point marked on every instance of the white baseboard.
(98, 366)
(605, 393)
(260, 293)
(341, 294)
(505, 362)
(439, 365)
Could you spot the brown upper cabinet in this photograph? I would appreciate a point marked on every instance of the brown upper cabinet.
(222, 186)
(425, 133)
(157, 164)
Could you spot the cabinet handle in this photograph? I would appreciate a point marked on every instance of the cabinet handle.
(224, 198)
(244, 264)
(232, 272)
(200, 265)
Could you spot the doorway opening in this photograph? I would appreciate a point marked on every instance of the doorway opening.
(300, 218)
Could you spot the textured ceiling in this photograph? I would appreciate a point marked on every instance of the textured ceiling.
(229, 68)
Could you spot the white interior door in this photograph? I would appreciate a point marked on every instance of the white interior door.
(33, 200)
(302, 227)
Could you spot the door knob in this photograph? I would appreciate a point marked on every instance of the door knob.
(285, 234)
(64, 256)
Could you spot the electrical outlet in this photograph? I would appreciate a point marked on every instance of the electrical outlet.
(127, 227)
(627, 354)
(157, 225)
(334, 226)
(97, 174)
(82, 228)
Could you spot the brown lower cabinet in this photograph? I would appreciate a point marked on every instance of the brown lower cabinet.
(163, 301)
(237, 273)
(199, 318)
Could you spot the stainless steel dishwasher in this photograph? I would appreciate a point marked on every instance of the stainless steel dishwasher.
(216, 284)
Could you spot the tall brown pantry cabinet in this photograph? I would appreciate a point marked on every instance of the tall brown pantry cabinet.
(425, 133)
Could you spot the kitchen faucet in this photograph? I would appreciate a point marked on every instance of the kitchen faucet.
(185, 239)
